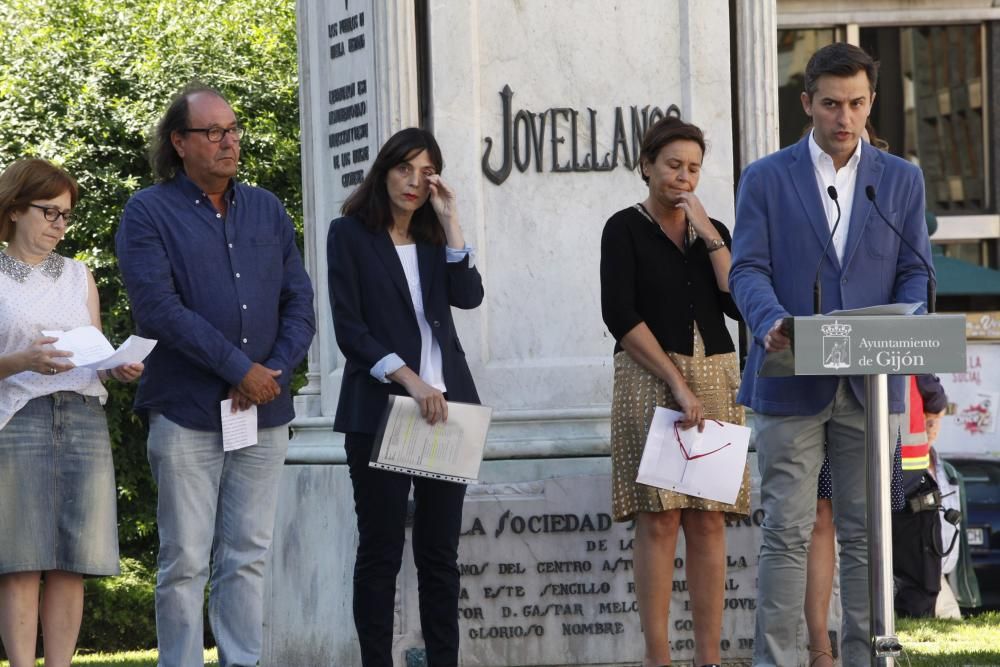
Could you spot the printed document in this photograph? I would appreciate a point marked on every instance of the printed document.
(92, 350)
(709, 464)
(451, 450)
(239, 429)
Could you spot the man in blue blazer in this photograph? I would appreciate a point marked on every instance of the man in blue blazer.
(784, 216)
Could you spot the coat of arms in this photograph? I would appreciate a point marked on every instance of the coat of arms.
(836, 345)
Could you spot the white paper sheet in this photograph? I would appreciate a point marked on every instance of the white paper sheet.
(92, 350)
(884, 309)
(451, 450)
(239, 429)
(716, 473)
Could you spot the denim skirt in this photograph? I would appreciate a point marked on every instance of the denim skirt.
(57, 488)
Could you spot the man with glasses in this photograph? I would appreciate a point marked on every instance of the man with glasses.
(212, 272)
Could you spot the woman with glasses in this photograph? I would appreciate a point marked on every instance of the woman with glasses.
(664, 295)
(57, 485)
(398, 264)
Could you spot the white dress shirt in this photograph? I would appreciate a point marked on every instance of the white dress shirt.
(844, 180)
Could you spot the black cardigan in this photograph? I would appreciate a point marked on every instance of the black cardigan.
(645, 277)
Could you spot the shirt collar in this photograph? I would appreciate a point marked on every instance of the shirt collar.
(191, 191)
(821, 157)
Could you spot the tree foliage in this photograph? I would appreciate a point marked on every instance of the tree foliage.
(82, 82)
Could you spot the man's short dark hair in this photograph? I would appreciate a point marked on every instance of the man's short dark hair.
(839, 59)
(162, 155)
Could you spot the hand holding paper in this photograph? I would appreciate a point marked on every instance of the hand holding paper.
(239, 427)
(708, 464)
(92, 350)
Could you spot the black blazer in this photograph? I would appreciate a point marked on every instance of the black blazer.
(373, 316)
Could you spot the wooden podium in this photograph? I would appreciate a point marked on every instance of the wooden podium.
(874, 343)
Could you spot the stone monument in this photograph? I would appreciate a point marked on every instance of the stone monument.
(539, 109)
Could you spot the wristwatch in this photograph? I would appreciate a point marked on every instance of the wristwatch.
(715, 244)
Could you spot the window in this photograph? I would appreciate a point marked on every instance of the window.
(794, 49)
(931, 79)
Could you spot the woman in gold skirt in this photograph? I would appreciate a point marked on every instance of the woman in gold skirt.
(664, 294)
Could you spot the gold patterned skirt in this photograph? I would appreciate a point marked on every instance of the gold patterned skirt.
(637, 392)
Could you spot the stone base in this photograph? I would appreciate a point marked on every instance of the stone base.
(546, 574)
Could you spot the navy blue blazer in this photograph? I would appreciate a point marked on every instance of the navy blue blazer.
(779, 234)
(373, 317)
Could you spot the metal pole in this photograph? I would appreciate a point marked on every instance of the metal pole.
(885, 645)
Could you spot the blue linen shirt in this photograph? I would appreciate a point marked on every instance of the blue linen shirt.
(218, 292)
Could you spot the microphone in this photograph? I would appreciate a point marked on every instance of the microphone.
(817, 290)
(931, 280)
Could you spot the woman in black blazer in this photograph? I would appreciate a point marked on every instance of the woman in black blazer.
(397, 264)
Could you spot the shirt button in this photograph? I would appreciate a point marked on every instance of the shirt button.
(230, 245)
(197, 201)
(218, 215)
(244, 340)
(436, 323)
(244, 306)
(237, 275)
(844, 281)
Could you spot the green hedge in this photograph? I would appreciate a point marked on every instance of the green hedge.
(119, 611)
(81, 83)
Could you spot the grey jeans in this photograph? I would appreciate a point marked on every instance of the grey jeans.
(219, 507)
(790, 452)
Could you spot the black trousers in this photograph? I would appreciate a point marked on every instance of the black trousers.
(916, 562)
(380, 503)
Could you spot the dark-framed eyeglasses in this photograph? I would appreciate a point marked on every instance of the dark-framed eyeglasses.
(216, 134)
(52, 213)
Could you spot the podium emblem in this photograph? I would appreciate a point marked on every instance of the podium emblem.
(836, 345)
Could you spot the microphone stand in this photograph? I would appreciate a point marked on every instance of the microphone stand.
(817, 289)
(931, 280)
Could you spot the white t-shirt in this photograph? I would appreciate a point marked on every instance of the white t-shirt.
(431, 369)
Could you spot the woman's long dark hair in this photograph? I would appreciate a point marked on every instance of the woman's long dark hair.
(370, 202)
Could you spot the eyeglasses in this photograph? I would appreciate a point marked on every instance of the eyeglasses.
(215, 134)
(52, 213)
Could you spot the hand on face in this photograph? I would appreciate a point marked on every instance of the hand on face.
(696, 215)
(673, 177)
(442, 198)
(408, 184)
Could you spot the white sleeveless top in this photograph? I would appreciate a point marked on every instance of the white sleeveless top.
(53, 295)
(431, 366)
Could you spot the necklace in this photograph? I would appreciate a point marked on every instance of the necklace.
(689, 234)
(51, 266)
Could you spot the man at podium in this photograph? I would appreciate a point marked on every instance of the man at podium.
(805, 215)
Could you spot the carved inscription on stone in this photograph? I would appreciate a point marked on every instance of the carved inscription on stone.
(547, 578)
(351, 73)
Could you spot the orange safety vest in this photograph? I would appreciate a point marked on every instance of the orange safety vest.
(915, 448)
